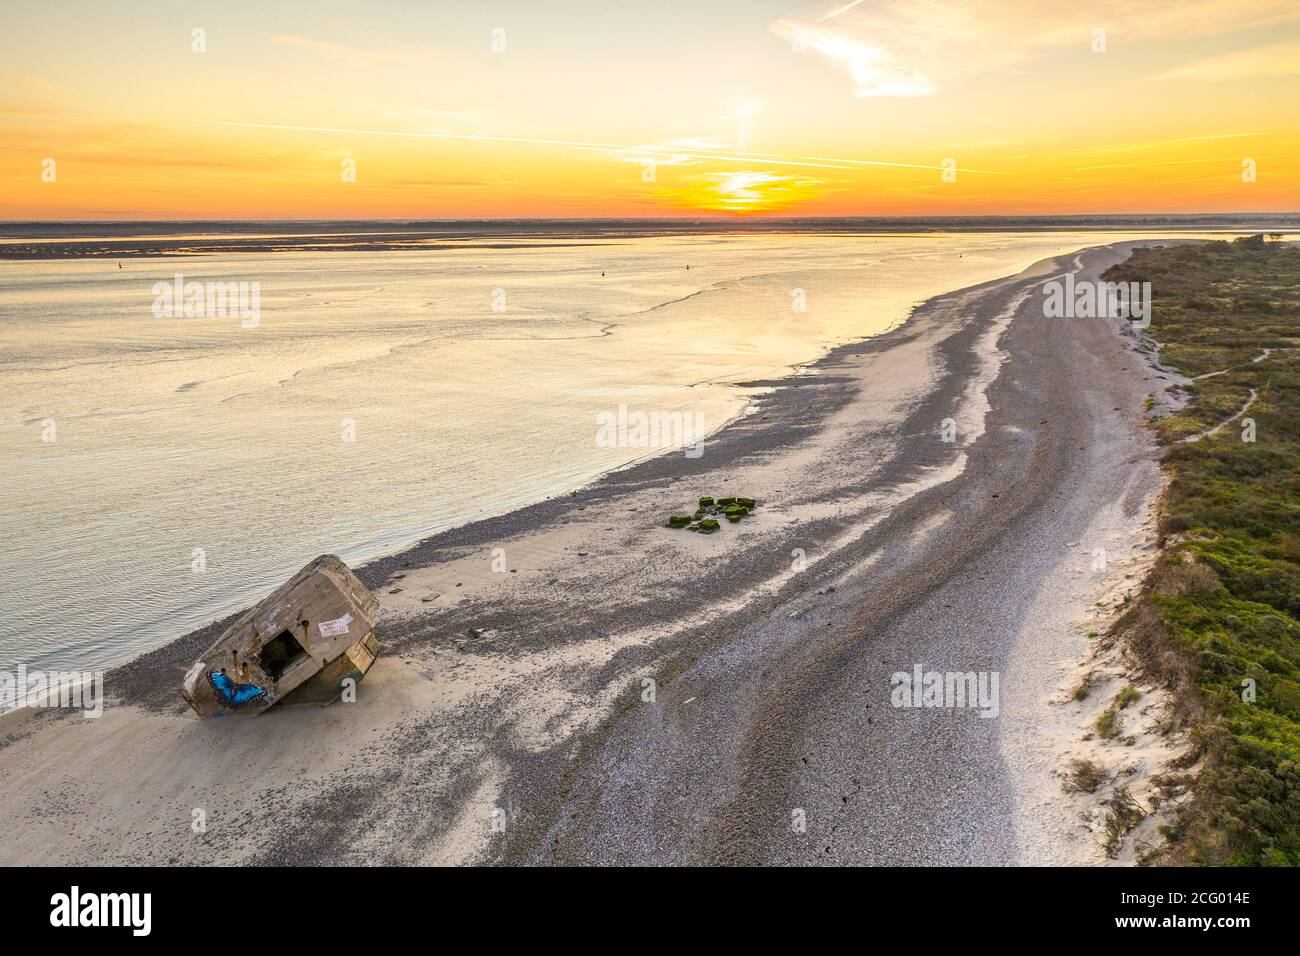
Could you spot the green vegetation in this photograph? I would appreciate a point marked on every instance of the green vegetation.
(733, 509)
(1219, 618)
(1109, 724)
(1123, 813)
(1128, 695)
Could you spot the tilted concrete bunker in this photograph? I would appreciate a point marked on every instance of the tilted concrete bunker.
(298, 645)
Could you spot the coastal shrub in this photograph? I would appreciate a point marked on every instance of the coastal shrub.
(1085, 776)
(1123, 813)
(1127, 695)
(1219, 620)
(1109, 724)
(1082, 691)
(1181, 579)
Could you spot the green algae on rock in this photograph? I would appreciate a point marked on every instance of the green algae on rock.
(733, 508)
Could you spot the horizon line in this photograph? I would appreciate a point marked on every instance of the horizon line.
(678, 219)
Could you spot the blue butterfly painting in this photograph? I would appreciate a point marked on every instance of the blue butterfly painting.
(232, 694)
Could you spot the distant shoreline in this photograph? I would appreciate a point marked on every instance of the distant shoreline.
(135, 239)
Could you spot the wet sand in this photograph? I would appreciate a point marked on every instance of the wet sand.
(507, 718)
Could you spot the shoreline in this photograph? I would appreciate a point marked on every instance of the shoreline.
(59, 241)
(162, 602)
(523, 695)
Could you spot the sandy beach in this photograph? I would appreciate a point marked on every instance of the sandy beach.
(618, 692)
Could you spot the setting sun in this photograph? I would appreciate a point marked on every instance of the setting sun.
(748, 191)
(767, 107)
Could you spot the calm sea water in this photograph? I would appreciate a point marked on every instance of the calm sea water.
(194, 463)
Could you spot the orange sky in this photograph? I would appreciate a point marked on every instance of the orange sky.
(453, 109)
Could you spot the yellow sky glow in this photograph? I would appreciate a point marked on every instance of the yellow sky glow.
(112, 110)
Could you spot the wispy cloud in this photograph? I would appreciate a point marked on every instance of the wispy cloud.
(1226, 162)
(572, 144)
(1165, 19)
(661, 153)
(875, 71)
(386, 55)
(844, 9)
(918, 47)
(1272, 60)
(323, 47)
(1206, 138)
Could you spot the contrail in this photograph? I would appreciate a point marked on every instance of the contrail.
(529, 141)
(874, 162)
(770, 159)
(836, 13)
